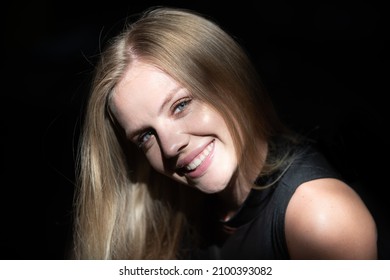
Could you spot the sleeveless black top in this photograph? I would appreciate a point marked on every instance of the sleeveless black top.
(259, 223)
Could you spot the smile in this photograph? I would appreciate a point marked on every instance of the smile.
(200, 158)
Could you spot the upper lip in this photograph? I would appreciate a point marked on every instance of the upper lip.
(187, 159)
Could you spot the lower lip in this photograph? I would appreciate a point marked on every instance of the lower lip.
(201, 169)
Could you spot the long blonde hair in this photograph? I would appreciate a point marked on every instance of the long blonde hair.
(124, 209)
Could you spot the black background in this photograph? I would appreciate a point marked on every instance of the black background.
(325, 64)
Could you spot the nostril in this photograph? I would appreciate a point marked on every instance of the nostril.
(172, 144)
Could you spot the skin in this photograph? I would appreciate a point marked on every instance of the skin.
(175, 131)
(325, 218)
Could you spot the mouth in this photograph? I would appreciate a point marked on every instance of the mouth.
(201, 161)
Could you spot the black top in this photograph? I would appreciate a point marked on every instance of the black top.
(258, 226)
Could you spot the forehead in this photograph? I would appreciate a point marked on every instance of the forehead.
(141, 75)
(140, 82)
(140, 94)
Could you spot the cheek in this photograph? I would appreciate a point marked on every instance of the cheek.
(207, 119)
(154, 158)
(214, 122)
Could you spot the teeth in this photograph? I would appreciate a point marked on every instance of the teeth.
(199, 159)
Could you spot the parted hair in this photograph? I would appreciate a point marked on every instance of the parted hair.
(123, 208)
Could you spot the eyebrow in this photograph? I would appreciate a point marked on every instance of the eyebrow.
(171, 94)
(168, 99)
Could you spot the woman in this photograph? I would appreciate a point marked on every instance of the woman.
(183, 156)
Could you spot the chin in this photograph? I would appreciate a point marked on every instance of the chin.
(211, 189)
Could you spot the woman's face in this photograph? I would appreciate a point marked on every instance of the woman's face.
(182, 137)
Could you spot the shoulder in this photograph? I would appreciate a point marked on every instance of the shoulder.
(326, 219)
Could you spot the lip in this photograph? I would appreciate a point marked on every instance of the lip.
(190, 157)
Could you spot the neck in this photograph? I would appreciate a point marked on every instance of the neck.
(234, 195)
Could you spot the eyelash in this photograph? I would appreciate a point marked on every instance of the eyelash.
(183, 102)
(140, 141)
(149, 133)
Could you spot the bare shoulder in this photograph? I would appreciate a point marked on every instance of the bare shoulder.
(326, 219)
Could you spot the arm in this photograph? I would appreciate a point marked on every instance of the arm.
(326, 219)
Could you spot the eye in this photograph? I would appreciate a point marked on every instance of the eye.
(181, 105)
(144, 138)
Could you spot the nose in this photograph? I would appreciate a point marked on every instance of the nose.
(172, 140)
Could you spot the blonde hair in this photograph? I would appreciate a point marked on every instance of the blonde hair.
(124, 209)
